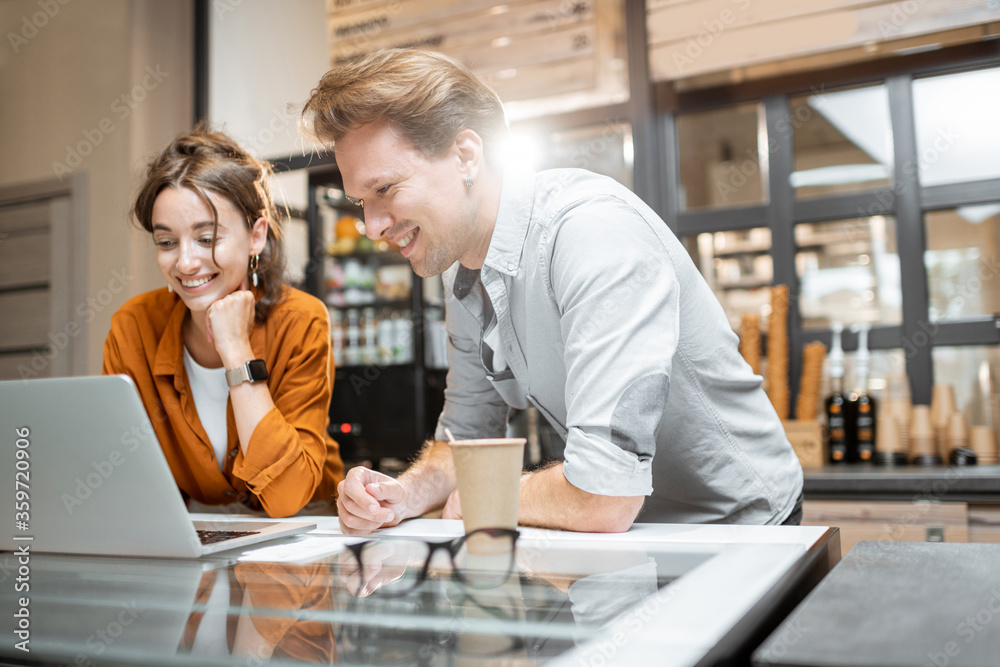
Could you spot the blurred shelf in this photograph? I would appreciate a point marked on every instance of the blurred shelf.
(744, 249)
(378, 304)
(383, 256)
(744, 284)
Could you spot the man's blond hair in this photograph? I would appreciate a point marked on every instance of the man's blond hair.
(429, 98)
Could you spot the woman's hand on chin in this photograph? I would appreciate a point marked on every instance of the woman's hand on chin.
(230, 321)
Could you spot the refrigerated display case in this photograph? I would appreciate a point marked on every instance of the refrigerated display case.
(386, 333)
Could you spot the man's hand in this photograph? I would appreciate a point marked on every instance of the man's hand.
(368, 500)
(452, 508)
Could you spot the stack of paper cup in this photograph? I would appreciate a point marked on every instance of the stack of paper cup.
(958, 433)
(923, 450)
(983, 441)
(888, 450)
(900, 412)
(896, 404)
(942, 407)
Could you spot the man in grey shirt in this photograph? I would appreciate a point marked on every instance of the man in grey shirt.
(564, 291)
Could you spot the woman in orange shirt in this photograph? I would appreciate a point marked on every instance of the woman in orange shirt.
(234, 367)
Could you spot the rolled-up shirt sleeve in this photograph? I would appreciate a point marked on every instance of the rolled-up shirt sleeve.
(472, 406)
(618, 295)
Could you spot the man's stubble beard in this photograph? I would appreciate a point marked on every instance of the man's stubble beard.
(442, 255)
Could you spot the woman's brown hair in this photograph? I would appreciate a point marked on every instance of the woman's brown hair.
(205, 162)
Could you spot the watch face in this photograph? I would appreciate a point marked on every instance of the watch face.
(257, 369)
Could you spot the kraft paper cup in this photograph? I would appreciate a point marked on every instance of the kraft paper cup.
(888, 445)
(942, 407)
(958, 432)
(887, 435)
(489, 484)
(922, 442)
(942, 403)
(983, 441)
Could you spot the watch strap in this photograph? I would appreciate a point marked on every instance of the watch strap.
(252, 371)
(237, 376)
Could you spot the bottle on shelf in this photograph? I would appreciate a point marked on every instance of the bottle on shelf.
(860, 406)
(369, 351)
(337, 335)
(403, 338)
(352, 354)
(386, 337)
(836, 402)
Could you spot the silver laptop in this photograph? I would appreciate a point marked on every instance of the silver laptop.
(81, 471)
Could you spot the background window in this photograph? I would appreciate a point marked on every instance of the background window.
(881, 365)
(738, 268)
(848, 272)
(719, 157)
(963, 273)
(605, 149)
(958, 137)
(843, 142)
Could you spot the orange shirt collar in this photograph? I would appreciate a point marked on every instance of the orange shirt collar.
(170, 352)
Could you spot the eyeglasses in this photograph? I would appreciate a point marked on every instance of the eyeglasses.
(395, 566)
(360, 203)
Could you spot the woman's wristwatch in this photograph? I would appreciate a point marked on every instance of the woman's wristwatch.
(252, 371)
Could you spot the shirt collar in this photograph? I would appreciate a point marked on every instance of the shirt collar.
(517, 196)
(170, 352)
(169, 358)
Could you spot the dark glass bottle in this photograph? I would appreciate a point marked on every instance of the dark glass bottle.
(861, 407)
(836, 421)
(862, 412)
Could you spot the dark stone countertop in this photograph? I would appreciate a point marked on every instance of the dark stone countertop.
(900, 604)
(959, 483)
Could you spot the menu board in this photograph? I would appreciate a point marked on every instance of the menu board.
(541, 56)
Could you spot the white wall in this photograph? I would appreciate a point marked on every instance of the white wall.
(265, 55)
(95, 86)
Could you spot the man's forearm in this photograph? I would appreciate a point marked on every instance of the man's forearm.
(429, 480)
(548, 500)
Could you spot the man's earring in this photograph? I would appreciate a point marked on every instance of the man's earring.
(253, 268)
(468, 181)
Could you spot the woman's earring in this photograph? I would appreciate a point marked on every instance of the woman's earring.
(253, 267)
(468, 181)
(170, 288)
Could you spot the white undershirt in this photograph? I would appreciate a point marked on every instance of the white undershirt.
(210, 392)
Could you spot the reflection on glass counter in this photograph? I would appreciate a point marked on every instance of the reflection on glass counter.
(963, 273)
(848, 272)
(738, 268)
(843, 141)
(719, 153)
(89, 610)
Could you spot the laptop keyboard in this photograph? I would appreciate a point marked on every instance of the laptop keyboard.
(213, 536)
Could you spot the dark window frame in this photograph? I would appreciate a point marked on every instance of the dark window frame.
(906, 200)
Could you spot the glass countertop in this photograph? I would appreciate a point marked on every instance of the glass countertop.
(260, 606)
